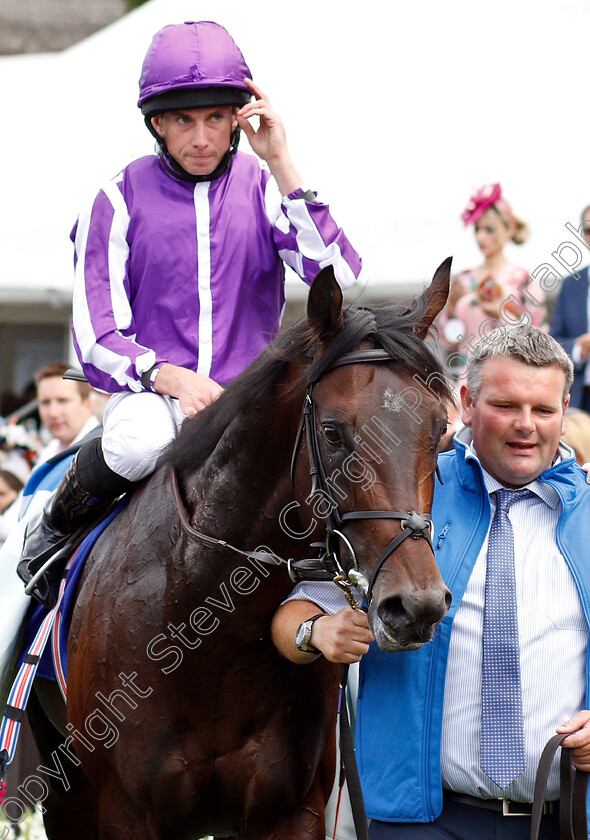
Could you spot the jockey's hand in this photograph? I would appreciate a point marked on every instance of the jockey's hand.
(579, 725)
(343, 637)
(193, 390)
(269, 141)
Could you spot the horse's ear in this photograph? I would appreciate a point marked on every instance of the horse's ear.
(434, 297)
(324, 305)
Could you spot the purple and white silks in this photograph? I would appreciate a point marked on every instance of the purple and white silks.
(192, 274)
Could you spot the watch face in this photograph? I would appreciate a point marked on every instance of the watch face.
(302, 635)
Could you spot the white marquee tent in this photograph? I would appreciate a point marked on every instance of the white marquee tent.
(394, 112)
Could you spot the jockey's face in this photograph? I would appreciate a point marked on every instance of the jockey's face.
(197, 138)
(62, 409)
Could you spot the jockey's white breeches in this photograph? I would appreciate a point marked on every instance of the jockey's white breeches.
(137, 428)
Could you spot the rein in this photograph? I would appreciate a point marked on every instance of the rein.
(212, 542)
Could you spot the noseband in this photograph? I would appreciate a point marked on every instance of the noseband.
(328, 566)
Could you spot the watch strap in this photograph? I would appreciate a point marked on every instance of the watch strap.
(309, 622)
(148, 377)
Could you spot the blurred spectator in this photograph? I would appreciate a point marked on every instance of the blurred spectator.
(570, 325)
(577, 433)
(14, 473)
(19, 439)
(497, 291)
(65, 407)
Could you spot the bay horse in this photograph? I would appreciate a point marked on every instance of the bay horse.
(182, 719)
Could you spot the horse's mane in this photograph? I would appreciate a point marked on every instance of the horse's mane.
(388, 326)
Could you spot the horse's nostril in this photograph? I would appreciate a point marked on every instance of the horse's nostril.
(392, 612)
(396, 612)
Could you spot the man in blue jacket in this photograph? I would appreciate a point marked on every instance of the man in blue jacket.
(420, 715)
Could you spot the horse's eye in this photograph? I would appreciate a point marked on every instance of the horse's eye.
(443, 432)
(331, 433)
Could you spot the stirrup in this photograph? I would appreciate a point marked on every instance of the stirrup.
(40, 585)
(37, 583)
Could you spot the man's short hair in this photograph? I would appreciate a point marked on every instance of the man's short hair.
(526, 344)
(58, 369)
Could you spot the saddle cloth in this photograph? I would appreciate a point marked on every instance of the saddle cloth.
(53, 662)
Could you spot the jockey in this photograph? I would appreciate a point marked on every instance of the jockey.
(180, 261)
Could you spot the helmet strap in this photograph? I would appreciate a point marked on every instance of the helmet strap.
(173, 168)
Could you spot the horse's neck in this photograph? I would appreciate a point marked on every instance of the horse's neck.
(243, 486)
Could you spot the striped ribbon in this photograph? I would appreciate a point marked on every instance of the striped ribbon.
(21, 689)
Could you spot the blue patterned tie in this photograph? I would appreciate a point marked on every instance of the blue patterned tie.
(502, 728)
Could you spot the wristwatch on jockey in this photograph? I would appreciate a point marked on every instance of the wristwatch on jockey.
(148, 378)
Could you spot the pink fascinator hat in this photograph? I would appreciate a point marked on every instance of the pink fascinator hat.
(485, 197)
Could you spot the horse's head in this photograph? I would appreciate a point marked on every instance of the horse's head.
(375, 412)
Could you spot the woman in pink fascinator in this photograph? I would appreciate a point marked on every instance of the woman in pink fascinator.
(497, 291)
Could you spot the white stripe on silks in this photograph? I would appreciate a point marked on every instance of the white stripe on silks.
(203, 225)
(311, 244)
(83, 324)
(293, 259)
(93, 353)
(273, 206)
(118, 253)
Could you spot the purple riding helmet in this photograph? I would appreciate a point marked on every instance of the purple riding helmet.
(192, 65)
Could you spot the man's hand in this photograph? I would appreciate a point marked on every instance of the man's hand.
(343, 637)
(580, 740)
(269, 140)
(193, 390)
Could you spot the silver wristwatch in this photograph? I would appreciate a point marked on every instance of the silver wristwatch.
(303, 634)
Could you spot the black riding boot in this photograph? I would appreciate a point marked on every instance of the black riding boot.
(74, 505)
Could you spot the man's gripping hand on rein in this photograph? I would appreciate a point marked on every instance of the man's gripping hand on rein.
(343, 637)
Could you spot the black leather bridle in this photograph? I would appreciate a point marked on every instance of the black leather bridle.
(328, 565)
